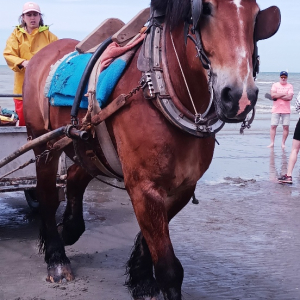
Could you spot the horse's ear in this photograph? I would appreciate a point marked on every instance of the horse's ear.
(267, 23)
(196, 6)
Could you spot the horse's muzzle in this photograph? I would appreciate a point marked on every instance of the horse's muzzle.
(233, 105)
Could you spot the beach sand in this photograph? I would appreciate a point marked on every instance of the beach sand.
(242, 241)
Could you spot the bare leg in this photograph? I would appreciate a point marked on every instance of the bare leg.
(284, 135)
(293, 157)
(272, 135)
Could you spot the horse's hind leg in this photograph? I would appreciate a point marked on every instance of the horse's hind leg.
(72, 225)
(58, 265)
(153, 219)
(140, 280)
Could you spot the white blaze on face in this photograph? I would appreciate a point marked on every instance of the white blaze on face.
(241, 54)
(237, 3)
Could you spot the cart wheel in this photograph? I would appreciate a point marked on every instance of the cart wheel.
(32, 200)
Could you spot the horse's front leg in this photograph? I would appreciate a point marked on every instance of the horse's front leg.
(72, 225)
(140, 279)
(150, 210)
(58, 265)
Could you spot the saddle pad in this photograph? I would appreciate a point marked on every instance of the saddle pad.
(109, 77)
(66, 78)
(68, 73)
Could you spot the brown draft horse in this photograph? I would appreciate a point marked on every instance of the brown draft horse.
(161, 164)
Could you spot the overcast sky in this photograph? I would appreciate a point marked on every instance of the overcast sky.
(77, 18)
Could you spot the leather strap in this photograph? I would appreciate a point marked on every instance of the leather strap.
(102, 133)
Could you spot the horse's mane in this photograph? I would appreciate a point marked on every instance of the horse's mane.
(176, 11)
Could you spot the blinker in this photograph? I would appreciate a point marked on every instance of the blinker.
(196, 6)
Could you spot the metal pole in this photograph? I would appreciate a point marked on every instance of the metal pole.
(10, 95)
(43, 139)
(31, 144)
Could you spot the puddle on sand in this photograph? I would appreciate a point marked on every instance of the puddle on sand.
(10, 216)
(14, 210)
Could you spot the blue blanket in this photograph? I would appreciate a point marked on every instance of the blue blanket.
(66, 79)
(107, 80)
(68, 74)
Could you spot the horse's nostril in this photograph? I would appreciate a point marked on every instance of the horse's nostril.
(225, 95)
(230, 101)
(231, 95)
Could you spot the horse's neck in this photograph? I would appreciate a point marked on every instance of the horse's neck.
(187, 76)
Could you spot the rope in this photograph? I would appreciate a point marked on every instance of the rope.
(198, 117)
(191, 98)
(32, 160)
(19, 168)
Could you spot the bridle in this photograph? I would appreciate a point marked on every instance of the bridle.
(157, 86)
(196, 11)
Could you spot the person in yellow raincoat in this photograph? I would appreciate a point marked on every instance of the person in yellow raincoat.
(26, 40)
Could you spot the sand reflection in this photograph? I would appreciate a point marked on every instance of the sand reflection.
(276, 171)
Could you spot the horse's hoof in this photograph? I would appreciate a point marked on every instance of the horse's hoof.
(60, 273)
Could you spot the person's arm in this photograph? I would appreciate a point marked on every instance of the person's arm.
(287, 97)
(274, 92)
(276, 95)
(11, 54)
(290, 94)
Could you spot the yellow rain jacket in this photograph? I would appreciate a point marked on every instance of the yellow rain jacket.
(22, 46)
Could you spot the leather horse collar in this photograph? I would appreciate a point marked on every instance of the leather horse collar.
(157, 86)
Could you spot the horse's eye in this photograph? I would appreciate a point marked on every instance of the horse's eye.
(206, 10)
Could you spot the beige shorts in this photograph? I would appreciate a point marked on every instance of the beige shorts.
(285, 119)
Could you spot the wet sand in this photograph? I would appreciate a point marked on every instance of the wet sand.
(241, 242)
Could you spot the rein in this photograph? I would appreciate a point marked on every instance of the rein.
(198, 117)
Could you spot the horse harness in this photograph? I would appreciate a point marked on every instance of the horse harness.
(157, 87)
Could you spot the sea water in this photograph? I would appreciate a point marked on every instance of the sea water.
(264, 82)
(6, 86)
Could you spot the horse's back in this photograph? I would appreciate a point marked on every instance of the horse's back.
(36, 106)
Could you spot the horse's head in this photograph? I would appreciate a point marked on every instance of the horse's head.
(227, 31)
